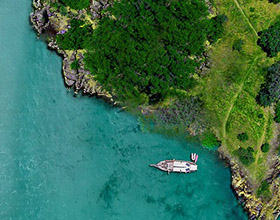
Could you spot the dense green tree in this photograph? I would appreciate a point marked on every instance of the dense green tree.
(265, 147)
(210, 141)
(270, 90)
(76, 37)
(246, 156)
(270, 40)
(76, 4)
(149, 47)
(243, 137)
(215, 28)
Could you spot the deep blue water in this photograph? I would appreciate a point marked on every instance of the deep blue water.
(78, 158)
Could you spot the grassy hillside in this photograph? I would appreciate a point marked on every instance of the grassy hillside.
(229, 90)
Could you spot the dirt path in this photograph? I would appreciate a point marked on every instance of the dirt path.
(239, 90)
(246, 18)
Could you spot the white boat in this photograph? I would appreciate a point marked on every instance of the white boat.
(176, 166)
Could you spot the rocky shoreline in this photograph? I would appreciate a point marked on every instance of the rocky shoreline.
(44, 20)
(256, 208)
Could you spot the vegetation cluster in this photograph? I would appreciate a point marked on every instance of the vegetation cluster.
(246, 156)
(182, 112)
(243, 137)
(269, 39)
(77, 37)
(142, 50)
(209, 140)
(264, 191)
(265, 147)
(270, 90)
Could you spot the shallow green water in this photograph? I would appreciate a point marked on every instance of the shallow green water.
(78, 158)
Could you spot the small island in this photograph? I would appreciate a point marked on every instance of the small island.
(207, 68)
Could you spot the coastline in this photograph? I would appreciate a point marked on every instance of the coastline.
(244, 191)
(82, 80)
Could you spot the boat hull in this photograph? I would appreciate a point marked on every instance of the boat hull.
(176, 166)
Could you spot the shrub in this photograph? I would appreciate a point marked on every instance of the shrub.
(246, 156)
(215, 28)
(270, 90)
(269, 40)
(265, 147)
(75, 65)
(277, 113)
(76, 37)
(243, 137)
(264, 191)
(210, 141)
(237, 45)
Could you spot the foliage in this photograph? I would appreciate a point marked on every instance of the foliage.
(277, 113)
(182, 112)
(269, 40)
(149, 47)
(76, 4)
(237, 45)
(76, 37)
(216, 28)
(243, 137)
(63, 10)
(264, 191)
(265, 147)
(246, 156)
(270, 90)
(210, 141)
(75, 65)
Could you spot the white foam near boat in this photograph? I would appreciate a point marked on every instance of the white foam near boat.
(177, 166)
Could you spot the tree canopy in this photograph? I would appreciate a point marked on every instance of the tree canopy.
(146, 48)
(246, 156)
(265, 147)
(243, 137)
(270, 90)
(76, 37)
(269, 40)
(210, 141)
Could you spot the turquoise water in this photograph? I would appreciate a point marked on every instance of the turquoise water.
(78, 158)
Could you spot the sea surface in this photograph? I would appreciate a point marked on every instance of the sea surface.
(78, 158)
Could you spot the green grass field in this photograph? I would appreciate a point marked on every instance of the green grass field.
(229, 90)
